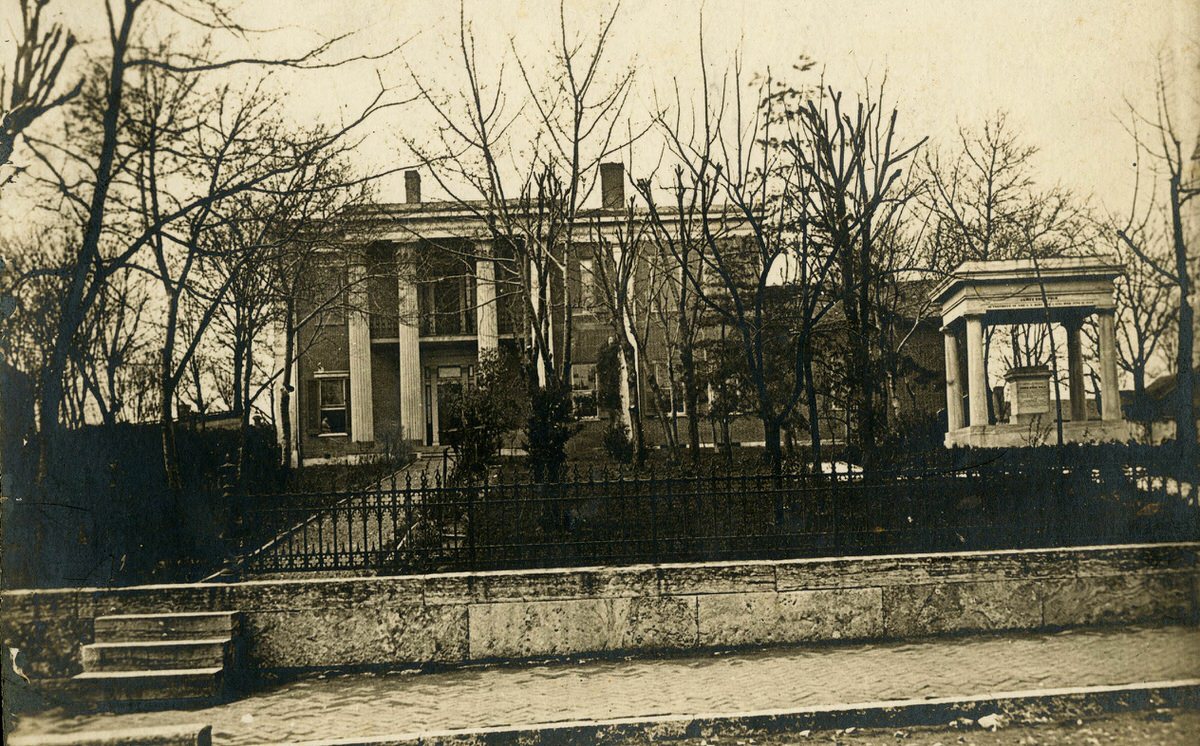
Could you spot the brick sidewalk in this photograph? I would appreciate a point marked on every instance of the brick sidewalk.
(356, 705)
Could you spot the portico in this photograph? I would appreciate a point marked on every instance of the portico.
(1056, 291)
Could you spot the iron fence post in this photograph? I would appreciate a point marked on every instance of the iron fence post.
(470, 492)
(234, 519)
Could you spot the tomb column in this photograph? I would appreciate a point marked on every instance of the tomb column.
(977, 390)
(1110, 388)
(362, 421)
(412, 408)
(954, 408)
(1078, 395)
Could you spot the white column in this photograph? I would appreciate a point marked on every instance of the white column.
(1075, 369)
(1110, 387)
(433, 405)
(486, 328)
(412, 406)
(535, 297)
(954, 408)
(977, 389)
(362, 421)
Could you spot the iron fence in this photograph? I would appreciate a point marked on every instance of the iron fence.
(615, 518)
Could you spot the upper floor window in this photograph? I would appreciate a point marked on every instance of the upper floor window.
(588, 295)
(447, 306)
(325, 296)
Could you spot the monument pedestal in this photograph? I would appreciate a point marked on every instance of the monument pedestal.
(1027, 391)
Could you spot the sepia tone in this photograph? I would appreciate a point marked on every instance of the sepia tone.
(598, 372)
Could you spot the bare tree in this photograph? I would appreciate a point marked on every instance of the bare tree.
(1158, 138)
(112, 339)
(672, 308)
(857, 194)
(293, 259)
(30, 88)
(532, 218)
(1146, 310)
(89, 167)
(617, 257)
(734, 190)
(985, 205)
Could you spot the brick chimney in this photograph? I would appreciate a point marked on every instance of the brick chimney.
(412, 187)
(612, 186)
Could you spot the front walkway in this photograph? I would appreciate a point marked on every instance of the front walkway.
(360, 705)
(353, 526)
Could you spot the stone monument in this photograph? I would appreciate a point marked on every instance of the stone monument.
(1062, 291)
(1027, 390)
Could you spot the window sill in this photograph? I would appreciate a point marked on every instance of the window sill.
(333, 435)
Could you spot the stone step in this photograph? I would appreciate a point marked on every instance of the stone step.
(186, 626)
(174, 685)
(153, 655)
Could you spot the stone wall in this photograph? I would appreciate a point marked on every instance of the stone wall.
(460, 617)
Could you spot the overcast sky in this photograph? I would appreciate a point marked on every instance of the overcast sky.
(1062, 70)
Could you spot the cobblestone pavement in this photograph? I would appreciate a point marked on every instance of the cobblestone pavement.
(1159, 728)
(341, 706)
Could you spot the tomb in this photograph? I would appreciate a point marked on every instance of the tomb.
(1062, 291)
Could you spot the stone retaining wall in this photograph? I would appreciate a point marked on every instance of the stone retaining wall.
(460, 617)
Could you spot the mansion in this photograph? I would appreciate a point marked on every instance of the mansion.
(420, 294)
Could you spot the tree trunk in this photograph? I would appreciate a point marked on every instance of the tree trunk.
(287, 386)
(167, 425)
(637, 434)
(774, 446)
(691, 393)
(1185, 411)
(814, 420)
(631, 419)
(244, 395)
(239, 365)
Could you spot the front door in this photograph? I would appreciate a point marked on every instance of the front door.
(449, 385)
(447, 391)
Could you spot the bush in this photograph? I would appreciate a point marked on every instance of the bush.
(617, 443)
(548, 428)
(479, 415)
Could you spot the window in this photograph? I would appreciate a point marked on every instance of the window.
(333, 396)
(327, 293)
(672, 391)
(447, 306)
(583, 391)
(587, 284)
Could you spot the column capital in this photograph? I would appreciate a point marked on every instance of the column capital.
(1072, 321)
